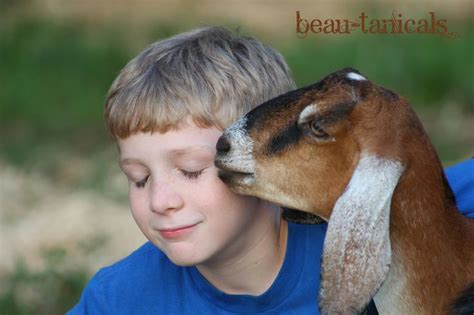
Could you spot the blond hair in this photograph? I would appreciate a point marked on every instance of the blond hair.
(209, 74)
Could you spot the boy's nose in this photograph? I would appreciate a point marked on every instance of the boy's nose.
(164, 198)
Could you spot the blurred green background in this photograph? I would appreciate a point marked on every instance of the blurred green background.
(57, 62)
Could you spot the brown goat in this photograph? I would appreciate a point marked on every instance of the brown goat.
(356, 155)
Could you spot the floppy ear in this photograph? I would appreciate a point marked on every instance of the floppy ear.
(357, 254)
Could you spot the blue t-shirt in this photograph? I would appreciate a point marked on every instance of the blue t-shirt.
(147, 282)
(461, 180)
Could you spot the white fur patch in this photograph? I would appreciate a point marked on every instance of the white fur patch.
(248, 180)
(392, 297)
(239, 158)
(355, 76)
(357, 253)
(307, 112)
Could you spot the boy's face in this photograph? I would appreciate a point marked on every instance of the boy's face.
(177, 199)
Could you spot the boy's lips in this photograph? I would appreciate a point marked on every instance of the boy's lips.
(176, 232)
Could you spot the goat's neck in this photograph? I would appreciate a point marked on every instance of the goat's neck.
(429, 244)
(421, 204)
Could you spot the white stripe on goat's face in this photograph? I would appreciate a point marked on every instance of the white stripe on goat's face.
(307, 113)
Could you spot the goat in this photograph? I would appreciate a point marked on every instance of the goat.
(356, 155)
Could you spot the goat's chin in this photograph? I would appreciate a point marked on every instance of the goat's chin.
(240, 183)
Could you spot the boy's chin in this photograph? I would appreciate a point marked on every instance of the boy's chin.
(184, 259)
(183, 262)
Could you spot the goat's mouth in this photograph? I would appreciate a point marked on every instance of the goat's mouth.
(234, 177)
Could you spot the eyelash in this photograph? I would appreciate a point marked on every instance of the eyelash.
(190, 175)
(142, 183)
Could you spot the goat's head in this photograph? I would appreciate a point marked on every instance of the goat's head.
(331, 149)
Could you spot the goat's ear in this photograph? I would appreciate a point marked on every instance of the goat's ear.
(357, 253)
(360, 85)
(355, 76)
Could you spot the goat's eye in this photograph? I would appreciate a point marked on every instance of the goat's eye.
(317, 130)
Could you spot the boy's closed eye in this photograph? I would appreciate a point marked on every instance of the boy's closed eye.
(190, 162)
(141, 184)
(192, 175)
(187, 174)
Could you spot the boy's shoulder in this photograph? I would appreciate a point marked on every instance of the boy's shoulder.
(141, 269)
(143, 257)
(129, 284)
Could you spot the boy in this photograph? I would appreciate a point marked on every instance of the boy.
(210, 251)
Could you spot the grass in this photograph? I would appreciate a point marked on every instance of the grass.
(49, 291)
(54, 78)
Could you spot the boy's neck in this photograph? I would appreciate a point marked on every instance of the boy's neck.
(254, 270)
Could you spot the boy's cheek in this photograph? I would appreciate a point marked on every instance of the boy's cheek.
(223, 190)
(138, 205)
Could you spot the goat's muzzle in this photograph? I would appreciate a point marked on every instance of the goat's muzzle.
(234, 179)
(235, 165)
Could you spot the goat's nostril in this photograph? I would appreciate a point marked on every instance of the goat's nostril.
(223, 145)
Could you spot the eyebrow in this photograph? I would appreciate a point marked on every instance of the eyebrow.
(188, 149)
(175, 153)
